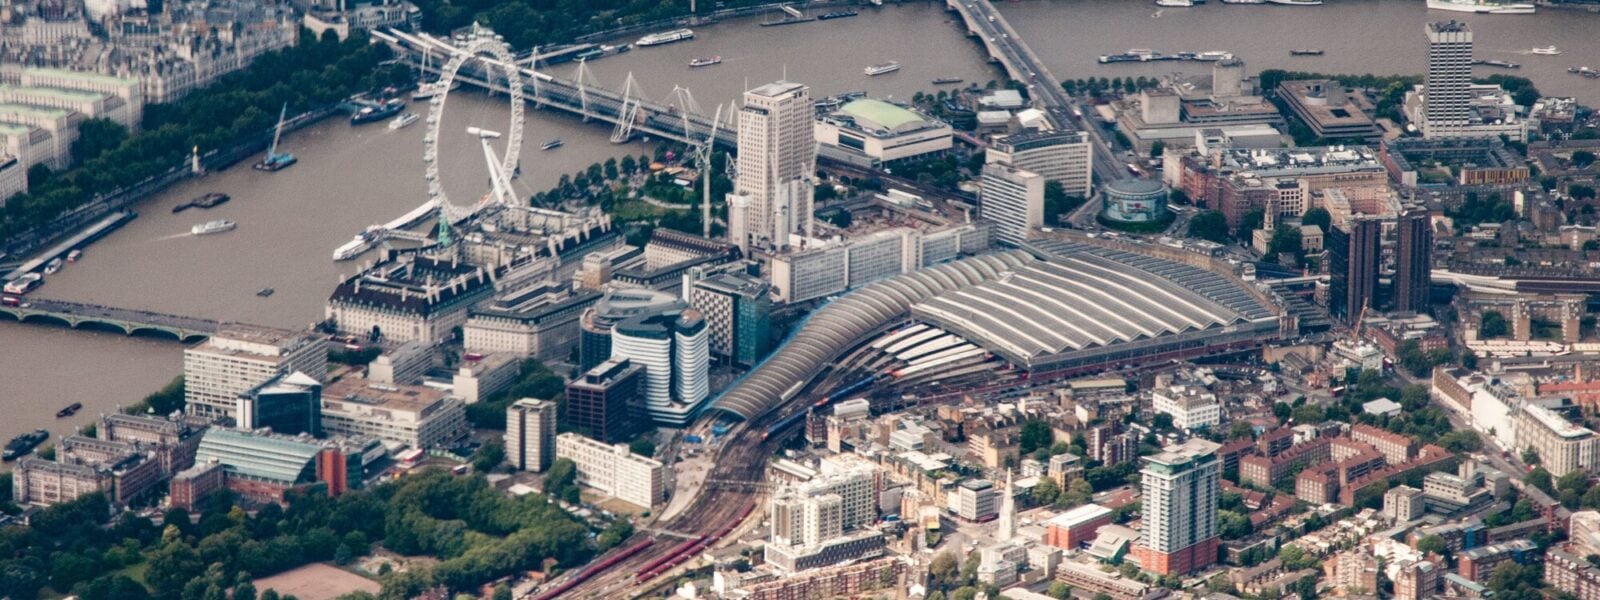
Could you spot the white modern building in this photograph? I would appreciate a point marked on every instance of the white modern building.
(613, 470)
(241, 357)
(1061, 156)
(674, 347)
(976, 500)
(482, 376)
(877, 132)
(1449, 105)
(776, 160)
(402, 416)
(1191, 407)
(1562, 446)
(531, 434)
(1013, 200)
(842, 265)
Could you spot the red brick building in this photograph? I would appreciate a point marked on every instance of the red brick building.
(1078, 526)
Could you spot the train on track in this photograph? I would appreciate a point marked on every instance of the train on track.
(598, 568)
(688, 549)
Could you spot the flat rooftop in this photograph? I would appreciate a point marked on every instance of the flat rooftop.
(63, 93)
(35, 111)
(1556, 423)
(1189, 450)
(403, 398)
(1079, 515)
(777, 88)
(258, 334)
(86, 76)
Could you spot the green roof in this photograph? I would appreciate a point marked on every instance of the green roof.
(86, 76)
(880, 113)
(73, 95)
(14, 129)
(38, 111)
(272, 458)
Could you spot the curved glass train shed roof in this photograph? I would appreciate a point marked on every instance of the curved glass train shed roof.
(834, 328)
(1081, 297)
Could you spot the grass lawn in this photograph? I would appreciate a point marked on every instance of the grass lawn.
(135, 572)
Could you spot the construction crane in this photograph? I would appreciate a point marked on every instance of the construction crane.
(702, 161)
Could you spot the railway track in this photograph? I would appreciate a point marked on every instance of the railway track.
(741, 458)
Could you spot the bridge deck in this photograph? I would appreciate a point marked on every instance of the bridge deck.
(130, 321)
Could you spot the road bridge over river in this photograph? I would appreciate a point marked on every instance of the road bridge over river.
(129, 321)
(1006, 47)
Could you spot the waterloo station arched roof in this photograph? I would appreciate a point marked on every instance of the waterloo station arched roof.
(834, 328)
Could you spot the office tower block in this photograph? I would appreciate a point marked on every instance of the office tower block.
(674, 348)
(288, 404)
(1012, 199)
(597, 402)
(1353, 255)
(1447, 103)
(1414, 260)
(531, 434)
(1062, 156)
(777, 156)
(738, 309)
(239, 358)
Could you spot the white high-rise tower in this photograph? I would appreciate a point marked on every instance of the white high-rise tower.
(777, 158)
(1448, 88)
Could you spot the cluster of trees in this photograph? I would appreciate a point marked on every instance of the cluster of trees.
(1574, 489)
(562, 481)
(610, 186)
(1095, 86)
(1520, 88)
(1493, 325)
(1428, 424)
(957, 579)
(1233, 521)
(165, 401)
(1582, 159)
(1420, 363)
(942, 171)
(536, 381)
(1210, 225)
(1057, 203)
(315, 73)
(1487, 209)
(478, 534)
(346, 356)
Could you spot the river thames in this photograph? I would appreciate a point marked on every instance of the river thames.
(351, 177)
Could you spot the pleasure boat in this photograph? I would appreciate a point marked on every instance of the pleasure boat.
(210, 227)
(1546, 51)
(404, 120)
(705, 62)
(1482, 7)
(665, 37)
(879, 69)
